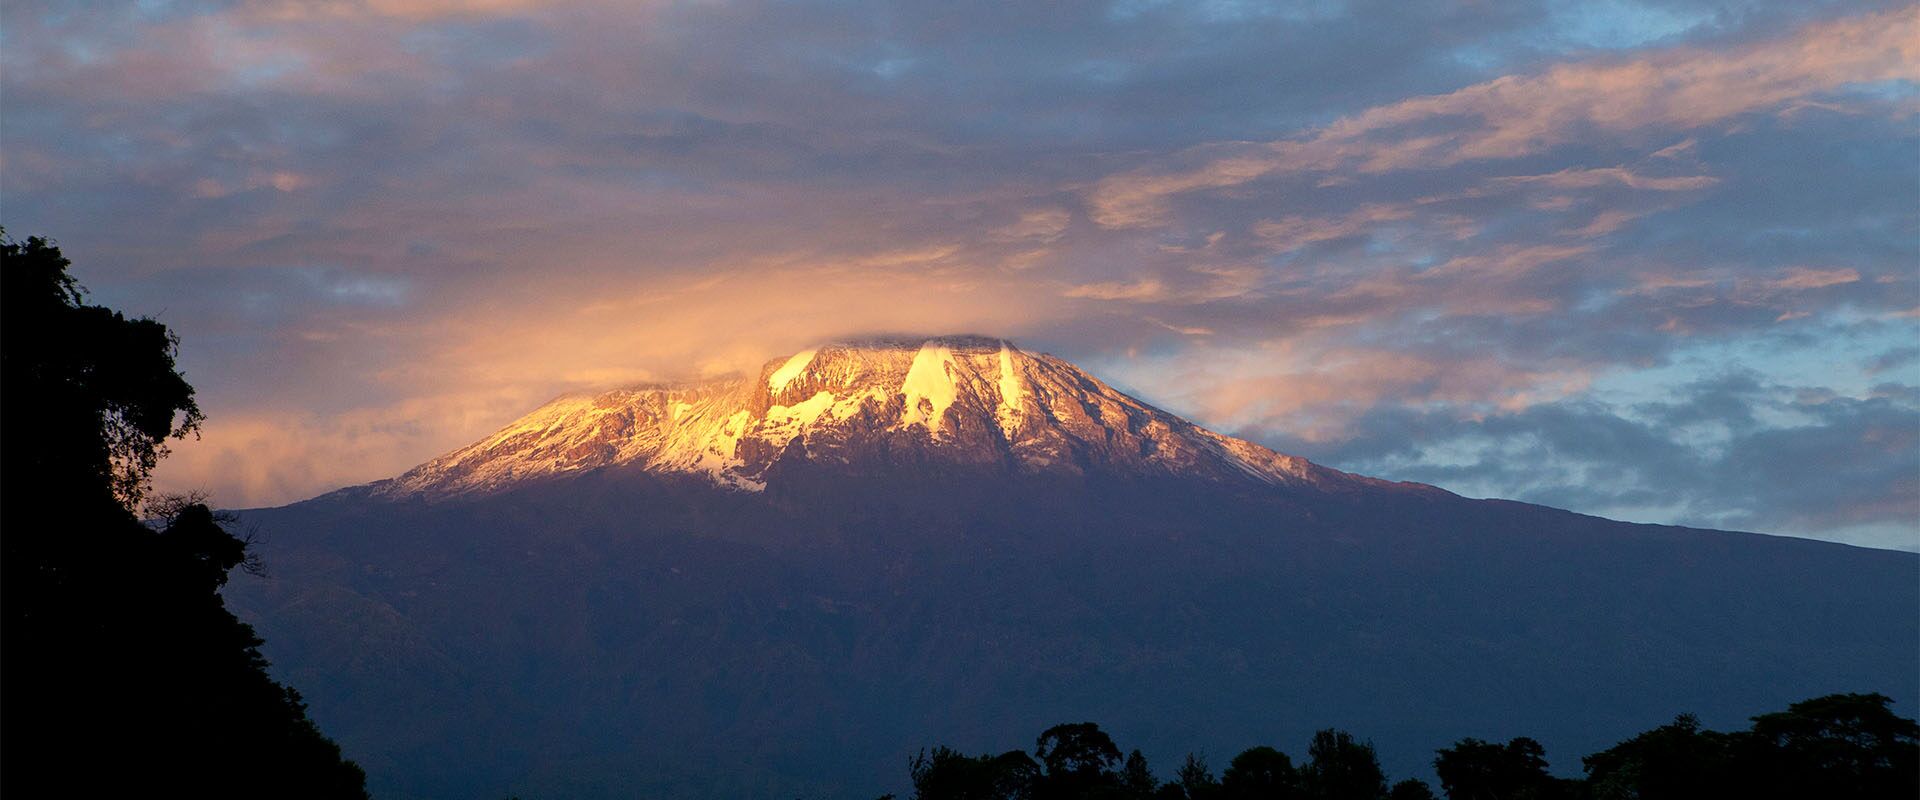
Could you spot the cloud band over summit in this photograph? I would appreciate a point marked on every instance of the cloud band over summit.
(1667, 250)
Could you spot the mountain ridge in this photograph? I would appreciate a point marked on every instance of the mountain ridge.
(570, 607)
(864, 403)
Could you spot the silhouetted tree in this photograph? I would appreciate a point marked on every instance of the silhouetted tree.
(1076, 749)
(1079, 760)
(1260, 773)
(1844, 745)
(1339, 768)
(125, 674)
(1195, 780)
(1410, 789)
(1136, 777)
(1679, 760)
(945, 774)
(1475, 770)
(1841, 745)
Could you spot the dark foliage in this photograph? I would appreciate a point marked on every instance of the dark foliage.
(1411, 789)
(1194, 781)
(1339, 768)
(948, 775)
(1136, 778)
(1843, 745)
(1260, 772)
(1475, 770)
(1847, 745)
(1079, 760)
(125, 673)
(1672, 761)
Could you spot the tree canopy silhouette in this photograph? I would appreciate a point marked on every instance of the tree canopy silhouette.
(946, 774)
(1079, 761)
(125, 673)
(1475, 770)
(1843, 745)
(1260, 772)
(1339, 768)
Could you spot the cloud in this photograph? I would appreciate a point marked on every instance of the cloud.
(246, 457)
(1138, 290)
(1701, 299)
(1315, 389)
(1183, 330)
(382, 228)
(1606, 222)
(1293, 232)
(1518, 115)
(1893, 359)
(1807, 278)
(1575, 178)
(1509, 261)
(1044, 225)
(415, 11)
(1731, 451)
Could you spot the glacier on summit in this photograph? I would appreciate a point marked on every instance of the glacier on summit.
(802, 575)
(865, 405)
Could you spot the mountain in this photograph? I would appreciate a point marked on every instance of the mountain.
(784, 584)
(862, 407)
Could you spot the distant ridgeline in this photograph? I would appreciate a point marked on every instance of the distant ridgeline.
(782, 584)
(1838, 746)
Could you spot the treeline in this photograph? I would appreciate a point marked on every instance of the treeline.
(1837, 746)
(125, 675)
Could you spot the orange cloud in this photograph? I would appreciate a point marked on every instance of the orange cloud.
(467, 368)
(1574, 178)
(1143, 289)
(1507, 261)
(1291, 233)
(256, 458)
(1810, 278)
(1045, 225)
(1607, 222)
(403, 9)
(1791, 279)
(1315, 389)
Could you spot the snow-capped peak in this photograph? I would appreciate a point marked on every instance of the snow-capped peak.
(863, 407)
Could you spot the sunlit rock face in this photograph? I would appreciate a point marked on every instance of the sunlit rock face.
(863, 406)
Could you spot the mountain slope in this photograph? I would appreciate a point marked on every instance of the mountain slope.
(869, 405)
(632, 594)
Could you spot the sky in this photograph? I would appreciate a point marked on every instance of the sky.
(1654, 261)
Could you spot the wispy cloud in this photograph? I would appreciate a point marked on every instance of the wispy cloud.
(1388, 236)
(1520, 115)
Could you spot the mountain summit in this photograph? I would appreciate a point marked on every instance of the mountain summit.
(857, 407)
(785, 584)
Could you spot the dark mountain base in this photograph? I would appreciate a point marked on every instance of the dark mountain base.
(617, 634)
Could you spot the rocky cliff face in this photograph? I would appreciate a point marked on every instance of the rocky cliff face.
(863, 406)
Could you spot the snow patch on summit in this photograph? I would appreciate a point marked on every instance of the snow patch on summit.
(1012, 391)
(871, 407)
(799, 415)
(929, 388)
(790, 370)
